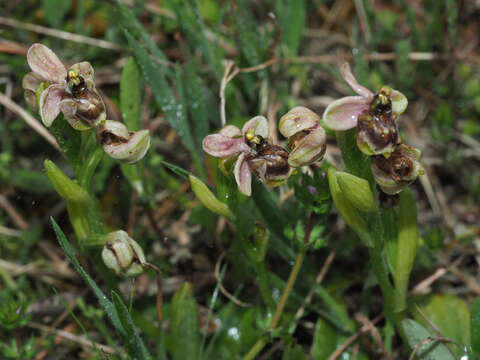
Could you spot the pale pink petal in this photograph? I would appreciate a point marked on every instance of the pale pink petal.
(31, 81)
(230, 131)
(222, 146)
(84, 69)
(399, 102)
(342, 114)
(349, 78)
(50, 103)
(243, 176)
(259, 124)
(45, 63)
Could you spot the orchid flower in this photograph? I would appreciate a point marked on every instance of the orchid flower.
(255, 153)
(51, 88)
(374, 115)
(306, 137)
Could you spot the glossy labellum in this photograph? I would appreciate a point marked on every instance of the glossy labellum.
(399, 170)
(377, 131)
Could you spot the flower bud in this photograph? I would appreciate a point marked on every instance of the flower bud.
(121, 144)
(122, 254)
(377, 131)
(398, 171)
(208, 199)
(349, 213)
(357, 191)
(306, 138)
(63, 185)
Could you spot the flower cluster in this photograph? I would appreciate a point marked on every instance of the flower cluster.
(271, 163)
(394, 165)
(51, 88)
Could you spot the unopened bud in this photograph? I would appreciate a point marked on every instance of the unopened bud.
(349, 213)
(357, 191)
(63, 185)
(306, 138)
(208, 199)
(122, 254)
(121, 144)
(398, 171)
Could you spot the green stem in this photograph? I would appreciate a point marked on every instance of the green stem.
(89, 167)
(80, 223)
(258, 346)
(262, 280)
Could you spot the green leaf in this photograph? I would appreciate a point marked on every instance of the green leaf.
(429, 350)
(324, 340)
(292, 23)
(294, 352)
(130, 95)
(184, 324)
(55, 10)
(450, 315)
(69, 141)
(475, 326)
(135, 344)
(406, 246)
(176, 169)
(130, 100)
(102, 299)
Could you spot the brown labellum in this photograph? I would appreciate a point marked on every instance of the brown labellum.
(269, 162)
(377, 131)
(90, 108)
(399, 170)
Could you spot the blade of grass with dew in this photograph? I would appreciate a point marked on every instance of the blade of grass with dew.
(191, 23)
(130, 23)
(134, 342)
(197, 101)
(174, 111)
(106, 304)
(182, 101)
